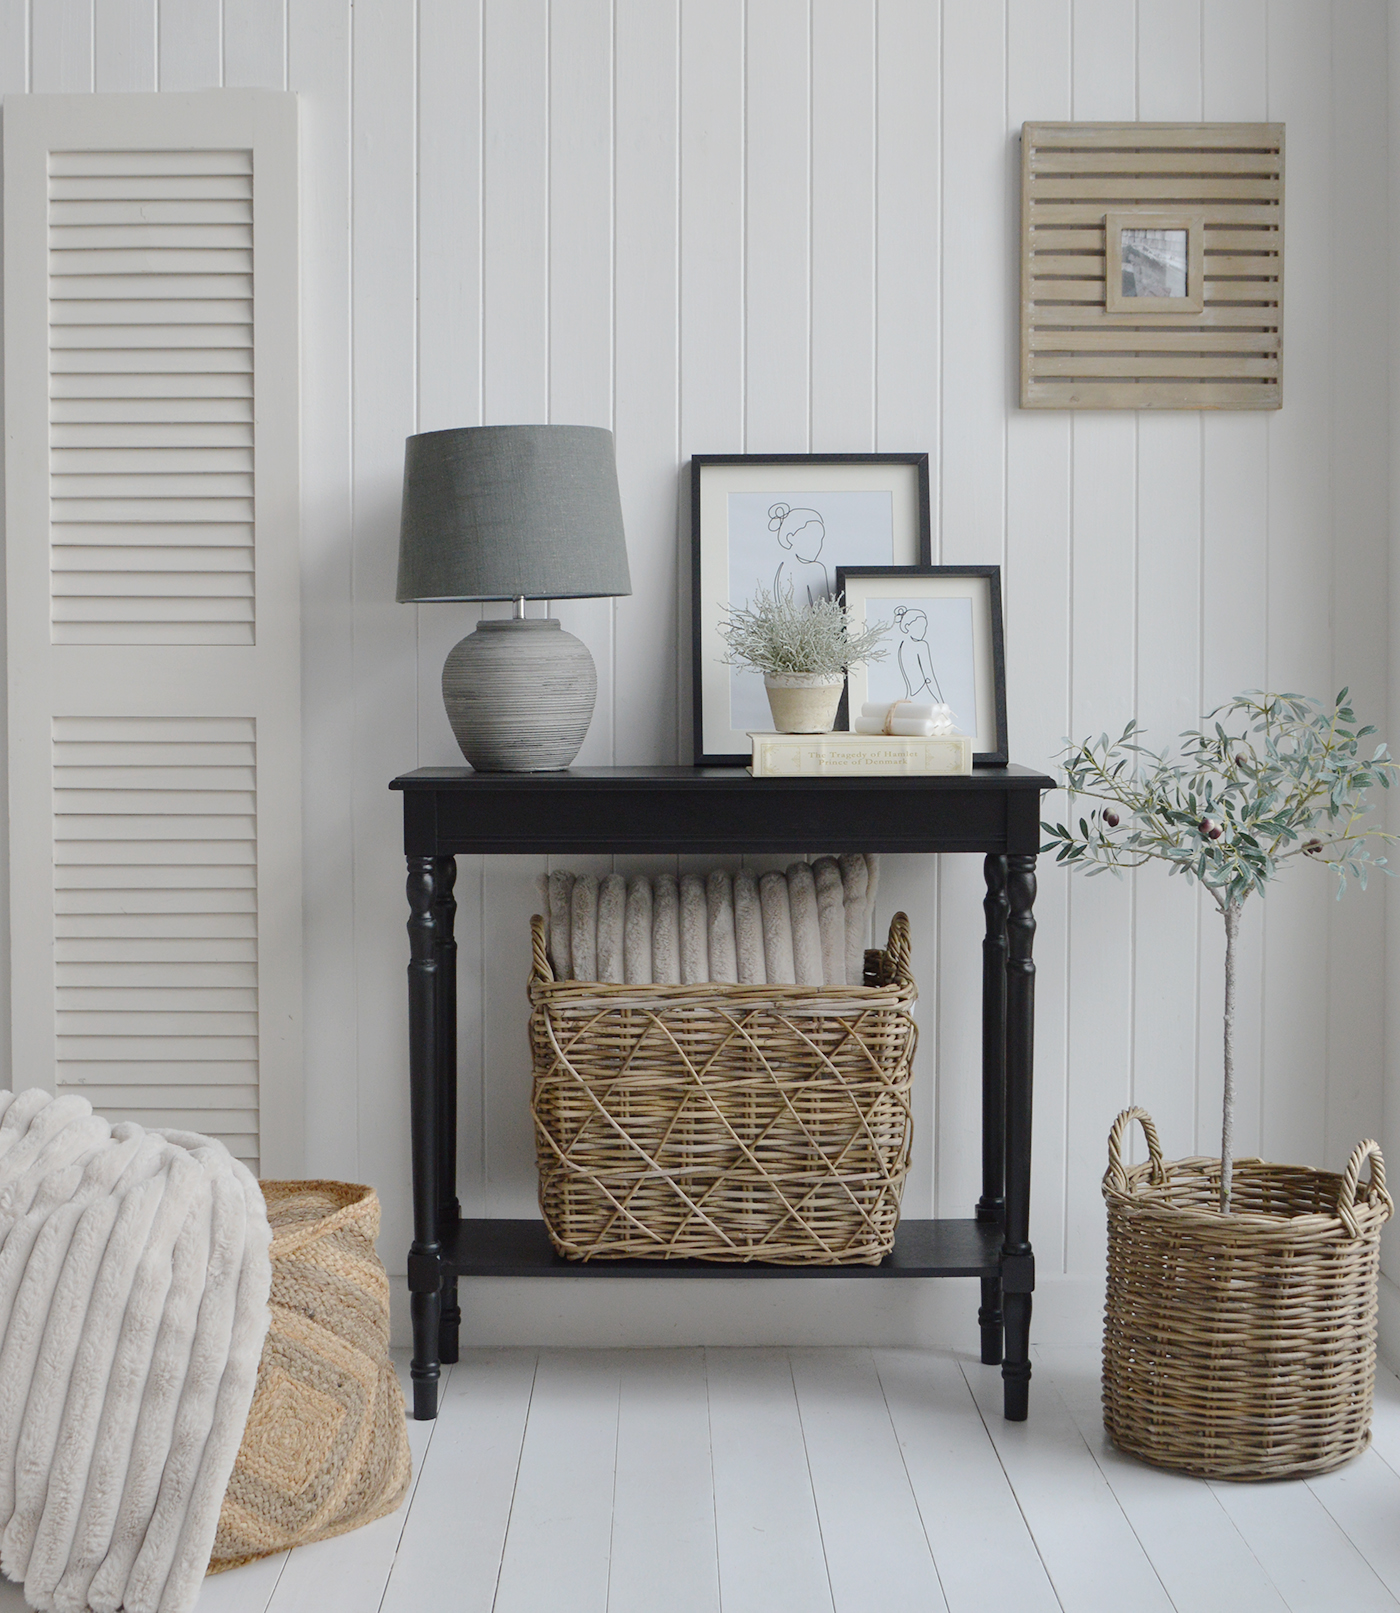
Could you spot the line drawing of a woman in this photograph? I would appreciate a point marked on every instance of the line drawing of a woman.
(802, 532)
(915, 654)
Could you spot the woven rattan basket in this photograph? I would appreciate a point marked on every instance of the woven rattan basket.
(1240, 1346)
(724, 1122)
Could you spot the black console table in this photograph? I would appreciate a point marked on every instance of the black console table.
(450, 811)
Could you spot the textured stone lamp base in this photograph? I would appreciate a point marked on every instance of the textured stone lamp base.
(519, 695)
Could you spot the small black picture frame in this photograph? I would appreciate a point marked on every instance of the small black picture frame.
(863, 587)
(904, 476)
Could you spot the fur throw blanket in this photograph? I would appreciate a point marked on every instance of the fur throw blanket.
(805, 927)
(134, 1279)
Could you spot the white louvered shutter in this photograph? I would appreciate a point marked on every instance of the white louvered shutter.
(151, 502)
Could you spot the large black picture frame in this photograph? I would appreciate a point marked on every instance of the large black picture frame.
(723, 749)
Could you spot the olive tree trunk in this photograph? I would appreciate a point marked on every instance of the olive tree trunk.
(1231, 912)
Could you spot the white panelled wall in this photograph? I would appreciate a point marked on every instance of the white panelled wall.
(790, 225)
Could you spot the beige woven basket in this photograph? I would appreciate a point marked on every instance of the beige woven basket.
(325, 1448)
(1240, 1346)
(724, 1122)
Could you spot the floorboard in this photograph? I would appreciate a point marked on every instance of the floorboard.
(877, 1552)
(1095, 1561)
(664, 1552)
(450, 1553)
(557, 1543)
(771, 1556)
(1219, 1573)
(969, 1509)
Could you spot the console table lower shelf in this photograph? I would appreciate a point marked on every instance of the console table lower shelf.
(943, 1248)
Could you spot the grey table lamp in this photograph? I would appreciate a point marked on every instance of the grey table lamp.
(514, 512)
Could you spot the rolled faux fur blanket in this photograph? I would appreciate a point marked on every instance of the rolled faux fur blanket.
(719, 914)
(134, 1280)
(695, 947)
(666, 931)
(583, 927)
(831, 920)
(748, 931)
(636, 936)
(612, 909)
(806, 932)
(855, 880)
(777, 929)
(560, 910)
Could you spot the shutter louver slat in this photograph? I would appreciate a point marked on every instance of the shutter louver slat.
(156, 1000)
(150, 324)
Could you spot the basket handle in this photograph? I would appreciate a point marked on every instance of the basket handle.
(897, 963)
(541, 969)
(1116, 1177)
(1346, 1199)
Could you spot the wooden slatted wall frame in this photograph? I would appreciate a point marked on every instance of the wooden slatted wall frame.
(1075, 354)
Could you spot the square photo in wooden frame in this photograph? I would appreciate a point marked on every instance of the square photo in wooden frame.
(1155, 262)
(943, 644)
(779, 522)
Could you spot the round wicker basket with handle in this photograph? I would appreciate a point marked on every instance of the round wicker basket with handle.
(1240, 1346)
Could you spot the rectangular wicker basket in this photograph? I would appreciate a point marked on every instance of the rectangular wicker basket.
(729, 1123)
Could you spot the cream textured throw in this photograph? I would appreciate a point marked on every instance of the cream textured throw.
(134, 1278)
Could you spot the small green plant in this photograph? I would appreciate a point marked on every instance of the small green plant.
(772, 633)
(1267, 778)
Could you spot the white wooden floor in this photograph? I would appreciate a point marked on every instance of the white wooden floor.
(798, 1481)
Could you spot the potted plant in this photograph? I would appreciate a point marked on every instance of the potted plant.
(1239, 1334)
(803, 652)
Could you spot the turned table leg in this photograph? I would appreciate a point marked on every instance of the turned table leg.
(1018, 1260)
(424, 1072)
(991, 1206)
(449, 1208)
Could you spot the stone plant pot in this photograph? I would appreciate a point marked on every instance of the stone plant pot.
(803, 702)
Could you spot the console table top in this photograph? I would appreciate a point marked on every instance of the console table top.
(583, 779)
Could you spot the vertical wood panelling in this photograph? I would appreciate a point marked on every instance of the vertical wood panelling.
(1234, 606)
(843, 227)
(60, 46)
(319, 53)
(648, 635)
(124, 45)
(782, 225)
(449, 394)
(255, 43)
(1168, 640)
(1037, 606)
(189, 46)
(1296, 916)
(777, 216)
(581, 285)
(383, 345)
(1360, 382)
(975, 343)
(907, 281)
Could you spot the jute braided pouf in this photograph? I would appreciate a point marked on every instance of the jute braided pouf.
(326, 1444)
(1240, 1346)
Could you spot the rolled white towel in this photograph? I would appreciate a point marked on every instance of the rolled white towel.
(583, 929)
(558, 908)
(831, 919)
(777, 929)
(719, 913)
(665, 931)
(636, 936)
(806, 931)
(695, 951)
(855, 882)
(612, 910)
(748, 931)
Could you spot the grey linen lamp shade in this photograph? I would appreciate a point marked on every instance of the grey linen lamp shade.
(497, 512)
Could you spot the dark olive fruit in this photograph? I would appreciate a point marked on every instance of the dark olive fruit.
(1111, 819)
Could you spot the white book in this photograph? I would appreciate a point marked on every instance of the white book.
(850, 755)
